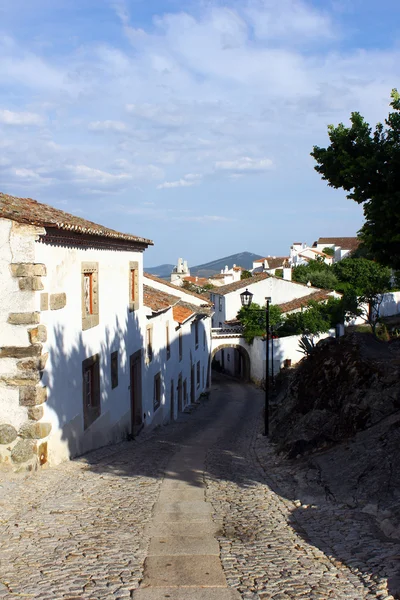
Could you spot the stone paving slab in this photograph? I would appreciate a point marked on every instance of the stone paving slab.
(183, 545)
(182, 527)
(183, 571)
(190, 509)
(185, 594)
(183, 494)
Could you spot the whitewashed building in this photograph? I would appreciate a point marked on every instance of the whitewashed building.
(227, 301)
(74, 366)
(341, 246)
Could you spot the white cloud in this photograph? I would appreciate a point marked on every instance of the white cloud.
(245, 164)
(85, 173)
(187, 181)
(118, 126)
(9, 117)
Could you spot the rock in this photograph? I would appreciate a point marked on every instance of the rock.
(23, 451)
(8, 434)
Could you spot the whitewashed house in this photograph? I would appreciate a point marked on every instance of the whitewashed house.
(270, 264)
(227, 301)
(341, 246)
(178, 345)
(74, 366)
(301, 254)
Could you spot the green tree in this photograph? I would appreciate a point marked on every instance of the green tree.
(253, 319)
(328, 251)
(363, 282)
(318, 273)
(311, 321)
(366, 165)
(245, 274)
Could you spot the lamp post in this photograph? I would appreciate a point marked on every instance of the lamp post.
(246, 299)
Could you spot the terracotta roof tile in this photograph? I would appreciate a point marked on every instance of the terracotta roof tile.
(157, 300)
(346, 243)
(196, 280)
(182, 313)
(174, 287)
(242, 284)
(299, 302)
(26, 210)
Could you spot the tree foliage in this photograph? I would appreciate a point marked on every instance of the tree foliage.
(317, 272)
(245, 274)
(253, 319)
(366, 164)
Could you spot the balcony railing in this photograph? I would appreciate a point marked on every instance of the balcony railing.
(236, 331)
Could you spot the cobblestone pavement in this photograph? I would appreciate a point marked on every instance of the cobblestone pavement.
(78, 531)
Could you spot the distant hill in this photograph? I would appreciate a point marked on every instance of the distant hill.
(242, 259)
(163, 271)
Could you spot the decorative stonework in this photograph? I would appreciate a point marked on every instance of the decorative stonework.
(23, 451)
(21, 352)
(44, 301)
(29, 318)
(38, 334)
(58, 301)
(8, 434)
(35, 413)
(34, 430)
(32, 396)
(28, 270)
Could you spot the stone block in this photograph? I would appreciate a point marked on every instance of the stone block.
(8, 434)
(23, 451)
(30, 284)
(21, 352)
(44, 301)
(28, 318)
(58, 301)
(38, 334)
(32, 396)
(43, 360)
(28, 270)
(35, 413)
(34, 430)
(42, 453)
(28, 378)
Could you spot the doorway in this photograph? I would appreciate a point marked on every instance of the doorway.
(136, 392)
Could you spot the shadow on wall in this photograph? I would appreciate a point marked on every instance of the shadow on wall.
(133, 395)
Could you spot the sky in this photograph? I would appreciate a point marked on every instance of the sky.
(191, 123)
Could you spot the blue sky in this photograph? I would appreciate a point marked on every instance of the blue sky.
(190, 123)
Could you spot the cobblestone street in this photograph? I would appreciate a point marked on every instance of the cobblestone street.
(79, 531)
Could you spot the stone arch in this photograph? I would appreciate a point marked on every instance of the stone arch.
(243, 353)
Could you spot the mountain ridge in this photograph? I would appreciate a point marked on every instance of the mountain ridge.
(241, 259)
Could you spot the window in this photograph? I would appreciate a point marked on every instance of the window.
(196, 334)
(90, 295)
(157, 392)
(91, 390)
(220, 302)
(198, 374)
(204, 338)
(180, 345)
(149, 343)
(168, 345)
(114, 369)
(133, 286)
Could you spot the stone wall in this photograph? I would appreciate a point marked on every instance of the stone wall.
(23, 434)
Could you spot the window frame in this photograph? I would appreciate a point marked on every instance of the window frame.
(180, 345)
(196, 334)
(114, 369)
(91, 412)
(134, 303)
(90, 319)
(149, 343)
(157, 392)
(168, 342)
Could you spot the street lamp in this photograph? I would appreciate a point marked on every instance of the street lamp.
(246, 300)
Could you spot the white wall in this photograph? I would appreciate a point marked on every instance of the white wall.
(69, 346)
(171, 369)
(279, 290)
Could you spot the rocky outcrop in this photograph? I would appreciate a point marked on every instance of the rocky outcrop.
(347, 385)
